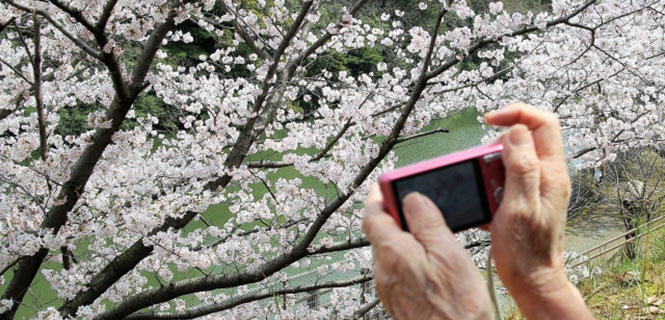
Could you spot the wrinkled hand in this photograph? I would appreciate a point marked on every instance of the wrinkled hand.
(528, 228)
(424, 274)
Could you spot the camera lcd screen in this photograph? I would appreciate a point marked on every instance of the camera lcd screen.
(458, 190)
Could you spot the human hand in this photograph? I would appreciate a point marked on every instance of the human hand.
(424, 274)
(528, 228)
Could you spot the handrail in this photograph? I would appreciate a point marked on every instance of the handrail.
(585, 253)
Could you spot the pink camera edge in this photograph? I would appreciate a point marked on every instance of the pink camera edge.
(492, 171)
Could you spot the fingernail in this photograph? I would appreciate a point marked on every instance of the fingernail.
(414, 203)
(519, 135)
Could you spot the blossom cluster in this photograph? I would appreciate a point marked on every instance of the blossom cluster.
(271, 157)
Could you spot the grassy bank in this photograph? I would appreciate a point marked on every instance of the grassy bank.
(630, 289)
(627, 289)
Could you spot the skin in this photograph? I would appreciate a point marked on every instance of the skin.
(427, 275)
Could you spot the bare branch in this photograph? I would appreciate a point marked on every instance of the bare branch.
(423, 134)
(319, 156)
(10, 265)
(3, 26)
(432, 43)
(37, 86)
(17, 72)
(23, 42)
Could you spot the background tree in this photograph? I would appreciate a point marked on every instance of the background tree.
(633, 186)
(213, 165)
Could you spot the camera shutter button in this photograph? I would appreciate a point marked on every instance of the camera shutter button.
(498, 195)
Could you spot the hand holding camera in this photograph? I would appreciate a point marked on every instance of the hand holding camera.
(526, 229)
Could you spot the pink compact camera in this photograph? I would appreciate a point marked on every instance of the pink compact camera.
(467, 186)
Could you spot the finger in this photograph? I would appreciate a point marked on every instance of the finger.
(545, 127)
(522, 186)
(378, 225)
(426, 221)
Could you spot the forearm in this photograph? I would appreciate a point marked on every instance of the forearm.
(565, 302)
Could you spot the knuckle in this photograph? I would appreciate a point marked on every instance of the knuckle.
(552, 120)
(524, 165)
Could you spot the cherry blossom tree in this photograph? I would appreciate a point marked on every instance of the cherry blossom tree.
(116, 220)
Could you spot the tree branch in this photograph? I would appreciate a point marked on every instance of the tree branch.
(233, 302)
(484, 42)
(81, 172)
(74, 13)
(423, 134)
(78, 42)
(37, 86)
(365, 309)
(317, 157)
(149, 297)
(322, 153)
(293, 65)
(105, 16)
(9, 266)
(117, 268)
(3, 26)
(18, 73)
(352, 244)
(138, 251)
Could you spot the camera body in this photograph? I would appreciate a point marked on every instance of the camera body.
(467, 186)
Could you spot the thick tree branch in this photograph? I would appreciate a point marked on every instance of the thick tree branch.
(138, 251)
(82, 170)
(233, 302)
(150, 297)
(78, 42)
(117, 268)
(74, 13)
(105, 16)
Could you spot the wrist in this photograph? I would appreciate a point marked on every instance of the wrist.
(555, 298)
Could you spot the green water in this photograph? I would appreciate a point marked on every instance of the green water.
(465, 132)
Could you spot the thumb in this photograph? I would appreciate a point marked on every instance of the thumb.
(425, 221)
(522, 169)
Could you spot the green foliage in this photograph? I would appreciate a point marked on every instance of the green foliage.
(148, 103)
(187, 54)
(73, 119)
